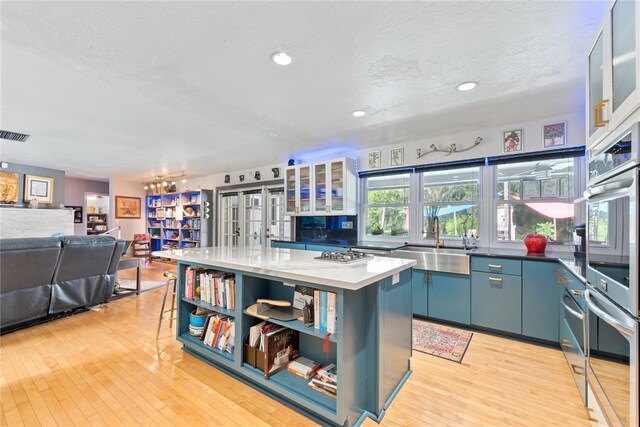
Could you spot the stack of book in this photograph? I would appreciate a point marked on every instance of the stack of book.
(219, 333)
(325, 381)
(303, 367)
(211, 287)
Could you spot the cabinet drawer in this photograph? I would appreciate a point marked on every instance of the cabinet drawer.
(496, 265)
(496, 301)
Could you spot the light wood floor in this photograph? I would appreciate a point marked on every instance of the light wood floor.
(105, 367)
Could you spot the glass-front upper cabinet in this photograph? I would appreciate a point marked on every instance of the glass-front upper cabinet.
(320, 187)
(298, 189)
(290, 190)
(613, 81)
(337, 186)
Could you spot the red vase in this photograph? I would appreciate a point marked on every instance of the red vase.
(535, 243)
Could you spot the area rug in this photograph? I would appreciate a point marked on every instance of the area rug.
(145, 285)
(442, 341)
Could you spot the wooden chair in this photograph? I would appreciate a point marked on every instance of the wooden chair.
(141, 246)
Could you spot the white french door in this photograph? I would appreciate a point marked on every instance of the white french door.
(253, 216)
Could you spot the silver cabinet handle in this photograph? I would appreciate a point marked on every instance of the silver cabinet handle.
(495, 266)
(578, 370)
(577, 293)
(624, 329)
(572, 311)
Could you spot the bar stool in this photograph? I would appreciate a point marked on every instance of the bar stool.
(171, 280)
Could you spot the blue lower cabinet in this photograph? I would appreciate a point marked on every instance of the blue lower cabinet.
(288, 245)
(321, 248)
(496, 301)
(449, 297)
(419, 292)
(541, 295)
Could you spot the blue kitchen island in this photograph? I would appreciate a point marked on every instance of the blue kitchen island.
(371, 347)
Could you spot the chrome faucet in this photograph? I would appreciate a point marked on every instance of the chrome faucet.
(436, 224)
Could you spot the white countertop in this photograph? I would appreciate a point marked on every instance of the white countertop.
(291, 264)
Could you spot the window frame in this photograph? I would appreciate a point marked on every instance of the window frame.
(364, 215)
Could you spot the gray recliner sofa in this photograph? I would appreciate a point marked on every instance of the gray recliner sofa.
(42, 278)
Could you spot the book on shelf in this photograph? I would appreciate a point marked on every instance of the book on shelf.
(280, 346)
(303, 367)
(326, 380)
(323, 387)
(269, 347)
(325, 310)
(302, 295)
(328, 373)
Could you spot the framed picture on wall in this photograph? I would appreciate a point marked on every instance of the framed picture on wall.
(8, 187)
(396, 157)
(374, 160)
(554, 134)
(39, 188)
(127, 207)
(512, 140)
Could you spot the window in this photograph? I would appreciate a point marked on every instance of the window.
(450, 195)
(387, 199)
(535, 197)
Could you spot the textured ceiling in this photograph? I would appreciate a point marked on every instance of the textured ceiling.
(143, 88)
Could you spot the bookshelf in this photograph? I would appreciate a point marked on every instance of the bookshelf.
(96, 223)
(166, 227)
(369, 371)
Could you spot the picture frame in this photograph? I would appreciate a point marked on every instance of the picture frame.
(77, 214)
(554, 134)
(374, 159)
(512, 140)
(8, 187)
(530, 189)
(39, 188)
(550, 187)
(396, 156)
(160, 214)
(127, 207)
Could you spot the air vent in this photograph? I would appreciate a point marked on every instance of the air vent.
(13, 136)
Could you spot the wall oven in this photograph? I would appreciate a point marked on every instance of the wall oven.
(612, 277)
(612, 219)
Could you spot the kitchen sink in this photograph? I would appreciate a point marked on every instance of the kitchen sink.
(449, 260)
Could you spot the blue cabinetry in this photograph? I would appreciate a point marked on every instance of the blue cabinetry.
(442, 296)
(496, 298)
(419, 290)
(449, 297)
(288, 245)
(541, 292)
(318, 247)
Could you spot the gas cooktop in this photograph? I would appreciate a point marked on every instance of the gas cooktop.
(344, 257)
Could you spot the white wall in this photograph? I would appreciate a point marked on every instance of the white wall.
(490, 146)
(128, 226)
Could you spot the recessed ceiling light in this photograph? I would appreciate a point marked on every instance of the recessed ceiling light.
(466, 86)
(358, 113)
(281, 58)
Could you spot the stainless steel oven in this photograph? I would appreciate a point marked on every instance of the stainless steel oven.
(573, 336)
(612, 230)
(612, 219)
(612, 354)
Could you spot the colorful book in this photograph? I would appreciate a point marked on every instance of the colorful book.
(280, 347)
(323, 310)
(316, 309)
(331, 312)
(303, 367)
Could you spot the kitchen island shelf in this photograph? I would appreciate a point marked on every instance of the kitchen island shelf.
(371, 349)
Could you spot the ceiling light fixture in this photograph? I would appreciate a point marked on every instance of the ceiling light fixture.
(281, 58)
(358, 113)
(463, 87)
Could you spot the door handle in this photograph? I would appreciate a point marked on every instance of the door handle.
(620, 326)
(577, 293)
(561, 280)
(577, 369)
(600, 122)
